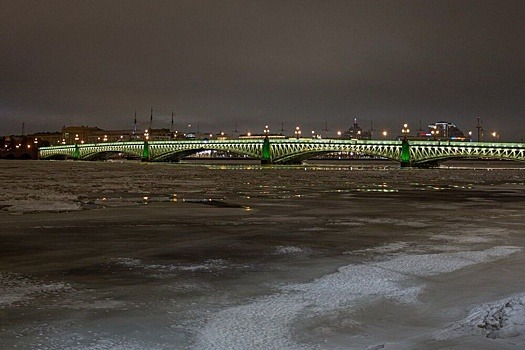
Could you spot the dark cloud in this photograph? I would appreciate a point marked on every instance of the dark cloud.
(221, 63)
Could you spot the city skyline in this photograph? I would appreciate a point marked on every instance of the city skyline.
(228, 65)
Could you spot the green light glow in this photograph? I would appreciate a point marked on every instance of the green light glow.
(266, 156)
(405, 153)
(145, 152)
(76, 153)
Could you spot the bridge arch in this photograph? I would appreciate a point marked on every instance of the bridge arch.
(423, 153)
(295, 151)
(176, 150)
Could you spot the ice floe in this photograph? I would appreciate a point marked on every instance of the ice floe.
(504, 318)
(16, 288)
(267, 322)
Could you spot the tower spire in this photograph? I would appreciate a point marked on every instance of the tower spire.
(134, 133)
(151, 120)
(480, 129)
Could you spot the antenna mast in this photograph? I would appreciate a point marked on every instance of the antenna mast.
(134, 133)
(480, 129)
(151, 120)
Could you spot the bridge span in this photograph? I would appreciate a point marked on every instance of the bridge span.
(288, 151)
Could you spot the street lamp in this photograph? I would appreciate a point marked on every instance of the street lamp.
(495, 135)
(339, 133)
(405, 130)
(266, 130)
(384, 134)
(297, 132)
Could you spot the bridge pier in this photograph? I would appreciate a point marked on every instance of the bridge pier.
(266, 154)
(405, 154)
(76, 153)
(146, 156)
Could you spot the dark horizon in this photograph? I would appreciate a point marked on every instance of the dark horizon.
(222, 65)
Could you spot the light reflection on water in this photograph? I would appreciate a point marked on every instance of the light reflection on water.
(202, 183)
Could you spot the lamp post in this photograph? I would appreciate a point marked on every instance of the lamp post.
(385, 133)
(266, 130)
(405, 130)
(297, 132)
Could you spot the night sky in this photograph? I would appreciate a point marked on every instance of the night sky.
(219, 63)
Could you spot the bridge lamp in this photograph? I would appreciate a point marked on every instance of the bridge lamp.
(297, 132)
(495, 135)
(405, 130)
(385, 134)
(339, 133)
(266, 130)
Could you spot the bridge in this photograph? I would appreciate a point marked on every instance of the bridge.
(409, 153)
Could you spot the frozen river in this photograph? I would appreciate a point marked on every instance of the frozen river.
(329, 255)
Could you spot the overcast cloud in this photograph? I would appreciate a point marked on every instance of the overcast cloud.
(216, 64)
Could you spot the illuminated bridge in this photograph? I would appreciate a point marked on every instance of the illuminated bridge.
(286, 151)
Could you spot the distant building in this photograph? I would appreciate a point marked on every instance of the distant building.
(45, 139)
(445, 131)
(89, 134)
(251, 136)
(356, 133)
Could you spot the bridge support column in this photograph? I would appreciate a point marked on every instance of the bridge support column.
(76, 153)
(266, 156)
(146, 157)
(405, 154)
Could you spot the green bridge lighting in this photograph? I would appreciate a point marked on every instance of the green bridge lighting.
(285, 151)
